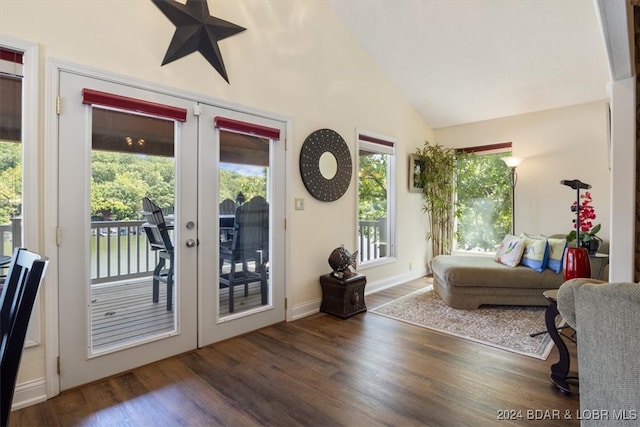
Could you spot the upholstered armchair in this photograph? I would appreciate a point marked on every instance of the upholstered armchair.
(606, 317)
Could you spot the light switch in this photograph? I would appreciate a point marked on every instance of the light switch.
(299, 204)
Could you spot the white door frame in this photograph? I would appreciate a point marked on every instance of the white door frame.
(53, 69)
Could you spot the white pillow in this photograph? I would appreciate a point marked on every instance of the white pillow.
(510, 251)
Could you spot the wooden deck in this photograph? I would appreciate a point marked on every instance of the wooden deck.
(124, 313)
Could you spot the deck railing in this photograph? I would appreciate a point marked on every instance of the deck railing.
(120, 251)
(11, 236)
(372, 239)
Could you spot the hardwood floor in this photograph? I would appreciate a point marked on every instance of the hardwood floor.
(367, 370)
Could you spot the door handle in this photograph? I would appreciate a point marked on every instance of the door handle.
(190, 243)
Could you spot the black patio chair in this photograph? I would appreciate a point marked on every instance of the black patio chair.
(157, 232)
(249, 247)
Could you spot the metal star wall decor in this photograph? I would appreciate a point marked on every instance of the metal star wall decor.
(196, 30)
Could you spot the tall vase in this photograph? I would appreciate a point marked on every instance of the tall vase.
(576, 263)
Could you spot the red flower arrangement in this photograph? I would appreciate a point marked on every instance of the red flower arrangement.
(586, 214)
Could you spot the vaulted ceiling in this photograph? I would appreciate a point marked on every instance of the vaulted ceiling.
(465, 61)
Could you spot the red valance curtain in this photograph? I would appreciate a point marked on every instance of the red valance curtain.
(11, 56)
(247, 128)
(95, 97)
(502, 146)
(374, 140)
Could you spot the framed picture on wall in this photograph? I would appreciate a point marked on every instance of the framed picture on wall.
(416, 166)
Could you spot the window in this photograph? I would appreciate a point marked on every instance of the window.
(19, 187)
(11, 152)
(483, 191)
(376, 198)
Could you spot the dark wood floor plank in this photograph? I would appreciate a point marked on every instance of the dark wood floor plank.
(323, 371)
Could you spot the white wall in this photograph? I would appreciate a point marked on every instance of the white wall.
(557, 144)
(296, 59)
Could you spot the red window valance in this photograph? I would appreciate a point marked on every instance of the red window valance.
(94, 97)
(374, 140)
(11, 56)
(491, 147)
(246, 128)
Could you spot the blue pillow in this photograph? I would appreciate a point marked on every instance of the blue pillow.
(536, 252)
(556, 254)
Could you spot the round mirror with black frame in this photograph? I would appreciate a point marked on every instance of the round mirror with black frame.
(325, 165)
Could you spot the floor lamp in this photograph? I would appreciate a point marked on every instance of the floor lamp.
(513, 163)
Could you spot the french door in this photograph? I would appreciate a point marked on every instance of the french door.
(237, 147)
(117, 144)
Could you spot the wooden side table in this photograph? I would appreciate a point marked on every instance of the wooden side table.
(343, 297)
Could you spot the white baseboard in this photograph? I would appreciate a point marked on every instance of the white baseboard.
(390, 282)
(313, 307)
(29, 393)
(306, 309)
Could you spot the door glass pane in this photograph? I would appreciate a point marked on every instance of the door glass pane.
(10, 163)
(244, 199)
(132, 157)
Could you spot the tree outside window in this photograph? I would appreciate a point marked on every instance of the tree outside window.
(372, 186)
(11, 161)
(120, 180)
(376, 232)
(10, 180)
(484, 196)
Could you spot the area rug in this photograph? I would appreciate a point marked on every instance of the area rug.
(504, 327)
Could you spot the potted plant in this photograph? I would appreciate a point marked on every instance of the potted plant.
(436, 179)
(588, 231)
